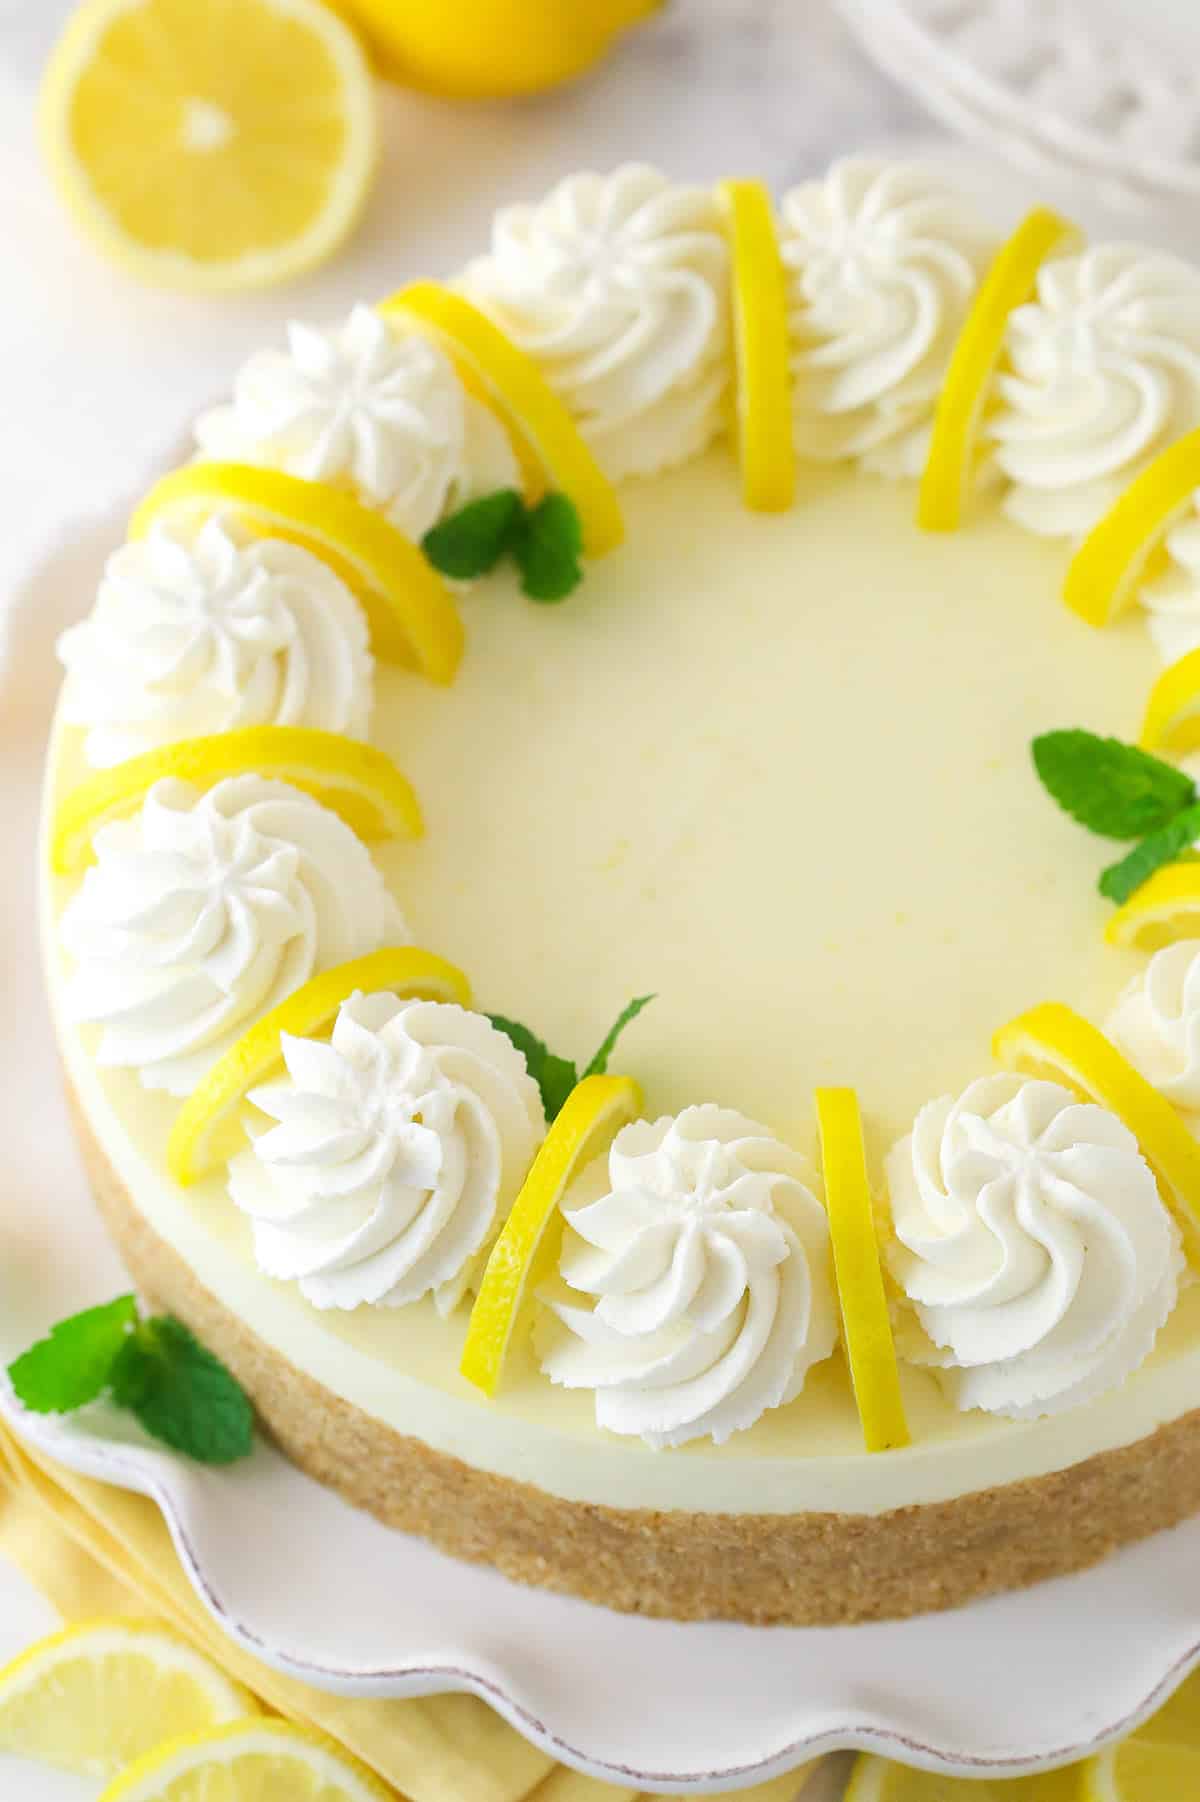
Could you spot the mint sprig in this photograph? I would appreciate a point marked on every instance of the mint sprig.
(1111, 788)
(154, 1367)
(557, 1076)
(546, 541)
(1121, 791)
(1170, 842)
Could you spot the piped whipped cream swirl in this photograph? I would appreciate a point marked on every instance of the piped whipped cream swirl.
(195, 636)
(397, 1150)
(1103, 372)
(205, 910)
(618, 286)
(704, 1259)
(884, 260)
(374, 410)
(1156, 1023)
(1032, 1244)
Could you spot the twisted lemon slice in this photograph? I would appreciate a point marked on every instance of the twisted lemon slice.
(1008, 284)
(529, 405)
(100, 1694)
(1107, 569)
(357, 782)
(760, 336)
(204, 1125)
(1052, 1040)
(262, 1760)
(410, 611)
(865, 1323)
(523, 1256)
(1164, 908)
(1172, 718)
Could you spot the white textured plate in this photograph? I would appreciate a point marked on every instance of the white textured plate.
(319, 1590)
(1107, 88)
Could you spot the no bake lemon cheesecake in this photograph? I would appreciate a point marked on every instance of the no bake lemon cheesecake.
(795, 1303)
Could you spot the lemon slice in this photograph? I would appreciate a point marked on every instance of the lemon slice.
(1159, 1762)
(1009, 283)
(876, 1779)
(865, 1321)
(356, 781)
(528, 403)
(205, 1126)
(1052, 1040)
(249, 1761)
(1165, 908)
(410, 611)
(761, 347)
(210, 154)
(100, 1694)
(1172, 718)
(524, 1254)
(1107, 569)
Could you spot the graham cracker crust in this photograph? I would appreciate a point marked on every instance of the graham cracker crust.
(804, 1569)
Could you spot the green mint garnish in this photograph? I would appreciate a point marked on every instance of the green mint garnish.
(156, 1368)
(557, 1076)
(547, 547)
(1120, 880)
(473, 540)
(1111, 788)
(73, 1364)
(546, 541)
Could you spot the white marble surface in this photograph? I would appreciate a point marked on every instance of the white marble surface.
(98, 373)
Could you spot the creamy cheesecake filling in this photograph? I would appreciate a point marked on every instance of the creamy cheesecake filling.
(817, 894)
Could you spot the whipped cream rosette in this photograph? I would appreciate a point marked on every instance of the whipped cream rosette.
(205, 910)
(617, 285)
(191, 636)
(1102, 372)
(370, 409)
(1032, 1244)
(696, 1279)
(1156, 1023)
(883, 262)
(397, 1149)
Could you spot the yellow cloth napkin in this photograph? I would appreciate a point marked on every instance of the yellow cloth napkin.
(94, 1550)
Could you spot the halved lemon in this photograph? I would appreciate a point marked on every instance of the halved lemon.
(1172, 718)
(250, 1761)
(866, 1324)
(356, 781)
(1009, 283)
(524, 1254)
(513, 382)
(210, 150)
(98, 1695)
(205, 1126)
(1165, 908)
(1107, 569)
(410, 611)
(761, 348)
(876, 1779)
(1052, 1040)
(1159, 1762)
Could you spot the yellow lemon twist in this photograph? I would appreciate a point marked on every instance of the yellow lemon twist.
(1107, 569)
(760, 335)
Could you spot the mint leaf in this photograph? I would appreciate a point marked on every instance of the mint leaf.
(554, 1076)
(1120, 880)
(547, 545)
(1111, 788)
(73, 1365)
(182, 1394)
(599, 1063)
(472, 541)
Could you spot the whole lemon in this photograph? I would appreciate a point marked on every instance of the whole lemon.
(479, 48)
